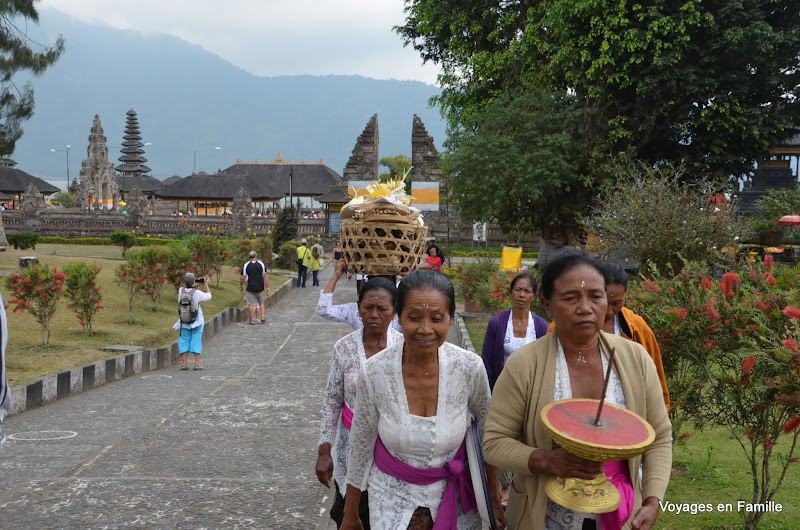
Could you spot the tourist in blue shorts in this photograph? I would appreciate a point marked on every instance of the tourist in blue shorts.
(191, 339)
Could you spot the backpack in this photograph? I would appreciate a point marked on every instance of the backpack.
(187, 312)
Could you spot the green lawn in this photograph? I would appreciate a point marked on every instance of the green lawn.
(709, 468)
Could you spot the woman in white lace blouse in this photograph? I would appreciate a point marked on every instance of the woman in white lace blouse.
(376, 311)
(346, 313)
(415, 401)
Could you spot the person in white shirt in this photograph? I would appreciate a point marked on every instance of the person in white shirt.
(191, 339)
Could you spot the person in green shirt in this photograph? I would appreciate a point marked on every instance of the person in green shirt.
(303, 259)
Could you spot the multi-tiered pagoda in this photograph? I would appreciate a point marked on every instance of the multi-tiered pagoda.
(132, 159)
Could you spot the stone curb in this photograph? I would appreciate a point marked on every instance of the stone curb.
(463, 336)
(75, 380)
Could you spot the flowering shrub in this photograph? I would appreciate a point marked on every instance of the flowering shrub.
(730, 352)
(287, 254)
(37, 290)
(472, 277)
(208, 255)
(179, 262)
(84, 292)
(129, 276)
(153, 264)
(493, 296)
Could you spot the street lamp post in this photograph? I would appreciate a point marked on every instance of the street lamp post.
(194, 166)
(291, 180)
(65, 151)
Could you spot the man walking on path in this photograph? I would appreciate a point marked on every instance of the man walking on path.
(254, 274)
(303, 257)
(191, 339)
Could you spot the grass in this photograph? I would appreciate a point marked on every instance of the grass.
(28, 359)
(709, 468)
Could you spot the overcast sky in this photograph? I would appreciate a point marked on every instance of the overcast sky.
(273, 37)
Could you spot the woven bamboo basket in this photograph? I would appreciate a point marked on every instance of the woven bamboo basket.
(383, 244)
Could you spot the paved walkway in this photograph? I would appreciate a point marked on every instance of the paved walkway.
(231, 446)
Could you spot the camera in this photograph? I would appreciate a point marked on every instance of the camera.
(200, 280)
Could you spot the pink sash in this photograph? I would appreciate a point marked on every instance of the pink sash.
(618, 475)
(347, 416)
(455, 471)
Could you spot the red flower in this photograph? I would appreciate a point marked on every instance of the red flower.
(711, 311)
(768, 262)
(748, 364)
(749, 433)
(770, 279)
(707, 284)
(651, 286)
(768, 443)
(791, 345)
(791, 312)
(791, 425)
(681, 314)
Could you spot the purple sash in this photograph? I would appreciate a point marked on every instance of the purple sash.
(618, 475)
(455, 471)
(347, 416)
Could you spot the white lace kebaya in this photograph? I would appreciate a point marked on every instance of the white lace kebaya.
(423, 442)
(346, 313)
(348, 356)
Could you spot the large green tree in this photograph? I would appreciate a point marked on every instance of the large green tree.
(19, 54)
(398, 166)
(709, 85)
(522, 162)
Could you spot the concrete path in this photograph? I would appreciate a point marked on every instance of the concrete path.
(232, 446)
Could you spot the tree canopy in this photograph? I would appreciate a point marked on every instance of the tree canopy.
(18, 54)
(711, 86)
(398, 166)
(521, 162)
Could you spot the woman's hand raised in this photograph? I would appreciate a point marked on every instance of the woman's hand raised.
(561, 463)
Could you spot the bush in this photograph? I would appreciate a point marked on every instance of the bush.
(82, 288)
(123, 239)
(153, 264)
(472, 277)
(37, 290)
(650, 216)
(286, 226)
(23, 240)
(209, 254)
(287, 254)
(130, 277)
(731, 356)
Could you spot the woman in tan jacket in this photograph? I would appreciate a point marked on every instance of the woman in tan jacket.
(570, 363)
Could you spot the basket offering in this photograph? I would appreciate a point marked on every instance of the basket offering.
(597, 431)
(380, 233)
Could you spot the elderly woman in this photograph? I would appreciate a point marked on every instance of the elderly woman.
(507, 332)
(571, 363)
(346, 313)
(513, 328)
(414, 405)
(376, 310)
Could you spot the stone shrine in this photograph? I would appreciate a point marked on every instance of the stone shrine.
(98, 187)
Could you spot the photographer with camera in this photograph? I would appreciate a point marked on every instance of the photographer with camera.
(190, 318)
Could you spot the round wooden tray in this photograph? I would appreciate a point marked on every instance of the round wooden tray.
(621, 433)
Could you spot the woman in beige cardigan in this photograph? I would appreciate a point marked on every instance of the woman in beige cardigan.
(570, 364)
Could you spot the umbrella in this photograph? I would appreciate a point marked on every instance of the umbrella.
(789, 220)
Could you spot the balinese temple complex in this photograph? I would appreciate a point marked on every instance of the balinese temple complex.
(268, 184)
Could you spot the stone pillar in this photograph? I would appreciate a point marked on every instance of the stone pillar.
(443, 224)
(241, 212)
(363, 164)
(32, 204)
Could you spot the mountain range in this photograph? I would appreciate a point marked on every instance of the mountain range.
(189, 101)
